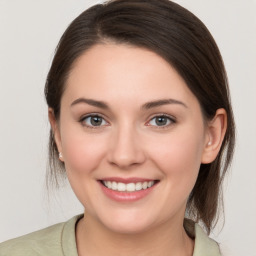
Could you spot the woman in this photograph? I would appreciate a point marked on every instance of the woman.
(142, 126)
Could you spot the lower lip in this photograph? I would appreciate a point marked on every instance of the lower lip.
(126, 196)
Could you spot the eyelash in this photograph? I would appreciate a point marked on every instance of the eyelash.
(91, 126)
(171, 119)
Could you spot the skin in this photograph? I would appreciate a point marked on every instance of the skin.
(130, 143)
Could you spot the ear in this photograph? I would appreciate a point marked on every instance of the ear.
(214, 137)
(55, 130)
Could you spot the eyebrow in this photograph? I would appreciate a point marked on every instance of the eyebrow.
(95, 103)
(145, 106)
(158, 103)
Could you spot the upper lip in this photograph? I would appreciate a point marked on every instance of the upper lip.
(126, 180)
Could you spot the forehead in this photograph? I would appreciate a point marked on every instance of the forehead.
(115, 71)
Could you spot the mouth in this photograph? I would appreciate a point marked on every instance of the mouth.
(128, 187)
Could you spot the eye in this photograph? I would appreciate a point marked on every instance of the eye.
(161, 120)
(93, 121)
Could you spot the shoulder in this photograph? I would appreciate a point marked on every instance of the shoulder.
(204, 245)
(47, 241)
(36, 243)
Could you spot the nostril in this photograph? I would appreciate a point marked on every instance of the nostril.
(126, 158)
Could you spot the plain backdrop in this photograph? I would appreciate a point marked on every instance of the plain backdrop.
(29, 32)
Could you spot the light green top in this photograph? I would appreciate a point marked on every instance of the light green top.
(59, 240)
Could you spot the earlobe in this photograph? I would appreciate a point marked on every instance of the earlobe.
(55, 130)
(215, 134)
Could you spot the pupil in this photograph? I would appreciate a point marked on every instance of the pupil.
(161, 121)
(96, 121)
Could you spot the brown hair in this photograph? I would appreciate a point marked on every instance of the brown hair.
(182, 40)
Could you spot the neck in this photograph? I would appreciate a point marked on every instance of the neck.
(167, 239)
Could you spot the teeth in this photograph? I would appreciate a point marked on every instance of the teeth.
(130, 187)
(138, 186)
(121, 186)
(113, 185)
(145, 185)
(109, 184)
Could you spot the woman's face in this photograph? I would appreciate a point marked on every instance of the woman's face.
(128, 121)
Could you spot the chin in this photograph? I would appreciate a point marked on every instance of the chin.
(127, 223)
(128, 228)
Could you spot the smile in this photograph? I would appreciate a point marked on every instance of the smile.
(129, 187)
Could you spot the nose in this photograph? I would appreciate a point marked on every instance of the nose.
(126, 149)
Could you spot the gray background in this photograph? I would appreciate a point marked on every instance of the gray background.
(30, 31)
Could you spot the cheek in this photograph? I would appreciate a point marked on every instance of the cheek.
(186, 154)
(178, 156)
(82, 152)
